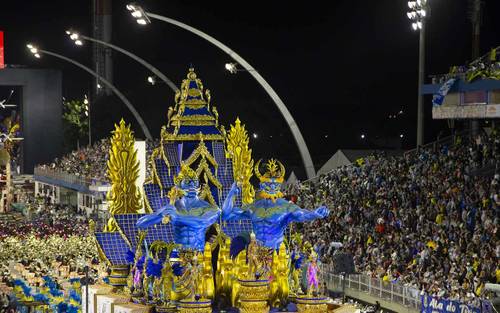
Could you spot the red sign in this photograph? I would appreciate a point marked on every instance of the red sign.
(2, 65)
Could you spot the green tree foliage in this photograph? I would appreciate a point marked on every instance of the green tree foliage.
(75, 122)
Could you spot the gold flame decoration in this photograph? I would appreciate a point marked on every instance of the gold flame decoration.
(123, 171)
(237, 147)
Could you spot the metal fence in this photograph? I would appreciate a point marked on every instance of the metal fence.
(66, 177)
(393, 292)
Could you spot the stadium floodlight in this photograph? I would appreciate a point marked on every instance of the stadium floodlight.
(419, 12)
(151, 80)
(138, 13)
(363, 136)
(255, 136)
(78, 42)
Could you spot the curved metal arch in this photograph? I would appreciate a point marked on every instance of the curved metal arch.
(129, 105)
(297, 135)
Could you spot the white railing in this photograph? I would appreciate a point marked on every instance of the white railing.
(67, 177)
(393, 292)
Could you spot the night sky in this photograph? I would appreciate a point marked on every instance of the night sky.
(341, 67)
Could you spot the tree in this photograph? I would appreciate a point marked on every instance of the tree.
(75, 122)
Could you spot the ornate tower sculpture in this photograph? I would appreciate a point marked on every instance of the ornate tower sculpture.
(237, 148)
(123, 171)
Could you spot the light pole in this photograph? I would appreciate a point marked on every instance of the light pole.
(419, 11)
(79, 38)
(38, 52)
(143, 18)
(87, 114)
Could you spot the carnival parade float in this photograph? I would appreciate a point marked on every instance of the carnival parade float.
(199, 237)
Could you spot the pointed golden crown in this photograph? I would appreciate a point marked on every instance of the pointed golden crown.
(274, 170)
(185, 173)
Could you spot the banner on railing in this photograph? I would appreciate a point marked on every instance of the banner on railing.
(438, 98)
(434, 305)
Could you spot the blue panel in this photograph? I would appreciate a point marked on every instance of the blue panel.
(114, 247)
(154, 196)
(219, 153)
(172, 154)
(163, 232)
(127, 224)
(200, 111)
(234, 228)
(193, 130)
(462, 86)
(166, 176)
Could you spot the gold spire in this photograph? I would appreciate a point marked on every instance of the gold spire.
(123, 171)
(237, 147)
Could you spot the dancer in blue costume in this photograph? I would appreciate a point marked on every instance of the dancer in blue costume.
(270, 213)
(189, 215)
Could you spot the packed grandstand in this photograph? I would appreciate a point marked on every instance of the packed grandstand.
(423, 219)
(427, 219)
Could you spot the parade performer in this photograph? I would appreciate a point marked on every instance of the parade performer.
(189, 215)
(270, 213)
(312, 275)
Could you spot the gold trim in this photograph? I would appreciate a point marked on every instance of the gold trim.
(203, 167)
(203, 151)
(206, 194)
(194, 117)
(192, 137)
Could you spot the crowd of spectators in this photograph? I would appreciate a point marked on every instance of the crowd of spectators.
(90, 162)
(45, 220)
(422, 219)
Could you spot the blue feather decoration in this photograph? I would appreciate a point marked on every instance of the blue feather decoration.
(153, 269)
(130, 257)
(177, 269)
(41, 298)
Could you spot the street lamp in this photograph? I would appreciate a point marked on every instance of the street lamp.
(87, 114)
(419, 12)
(233, 68)
(37, 53)
(79, 38)
(143, 18)
(138, 13)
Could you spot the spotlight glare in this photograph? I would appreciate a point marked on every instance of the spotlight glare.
(130, 7)
(151, 80)
(141, 21)
(414, 26)
(29, 46)
(68, 32)
(37, 55)
(34, 50)
(78, 42)
(73, 36)
(363, 136)
(419, 25)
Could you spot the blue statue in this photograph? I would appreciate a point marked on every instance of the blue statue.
(189, 215)
(270, 213)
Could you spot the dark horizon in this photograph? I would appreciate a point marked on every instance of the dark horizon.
(340, 68)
